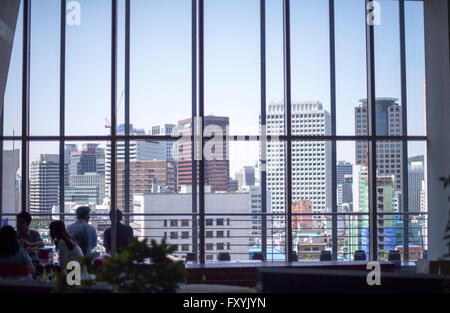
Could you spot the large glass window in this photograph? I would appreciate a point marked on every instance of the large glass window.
(259, 128)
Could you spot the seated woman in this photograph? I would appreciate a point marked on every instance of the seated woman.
(10, 251)
(68, 248)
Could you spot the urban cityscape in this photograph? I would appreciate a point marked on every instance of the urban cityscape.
(161, 179)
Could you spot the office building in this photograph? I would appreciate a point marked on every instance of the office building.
(415, 179)
(222, 233)
(217, 164)
(388, 123)
(245, 177)
(140, 150)
(311, 160)
(10, 184)
(170, 145)
(44, 183)
(146, 177)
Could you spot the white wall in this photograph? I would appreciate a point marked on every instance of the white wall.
(437, 121)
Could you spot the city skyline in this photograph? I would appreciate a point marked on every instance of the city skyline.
(240, 101)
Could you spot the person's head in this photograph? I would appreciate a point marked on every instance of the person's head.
(58, 231)
(9, 245)
(23, 222)
(84, 213)
(118, 216)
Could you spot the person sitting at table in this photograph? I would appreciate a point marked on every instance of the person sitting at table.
(27, 238)
(124, 233)
(10, 250)
(68, 248)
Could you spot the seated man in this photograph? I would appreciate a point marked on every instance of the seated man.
(124, 233)
(27, 238)
(82, 232)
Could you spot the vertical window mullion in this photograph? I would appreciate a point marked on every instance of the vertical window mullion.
(25, 101)
(371, 108)
(127, 112)
(113, 124)
(287, 127)
(333, 129)
(200, 128)
(62, 104)
(405, 187)
(193, 118)
(263, 134)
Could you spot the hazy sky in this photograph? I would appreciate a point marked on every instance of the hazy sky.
(161, 65)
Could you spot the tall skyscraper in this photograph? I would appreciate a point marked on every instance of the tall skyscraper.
(311, 160)
(139, 150)
(343, 168)
(84, 161)
(170, 146)
(10, 193)
(388, 123)
(415, 179)
(217, 169)
(245, 177)
(44, 183)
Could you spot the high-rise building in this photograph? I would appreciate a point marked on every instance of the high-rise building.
(145, 177)
(10, 184)
(68, 149)
(139, 150)
(44, 183)
(415, 179)
(387, 201)
(343, 168)
(256, 208)
(311, 160)
(84, 161)
(170, 145)
(345, 191)
(217, 167)
(388, 123)
(245, 177)
(86, 188)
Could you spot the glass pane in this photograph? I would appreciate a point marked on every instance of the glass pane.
(348, 223)
(415, 66)
(84, 166)
(11, 181)
(310, 67)
(350, 44)
(13, 92)
(44, 177)
(311, 193)
(88, 70)
(232, 63)
(160, 69)
(44, 67)
(389, 117)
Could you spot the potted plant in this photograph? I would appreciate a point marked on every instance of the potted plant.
(140, 267)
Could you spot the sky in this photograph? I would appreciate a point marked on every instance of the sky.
(161, 66)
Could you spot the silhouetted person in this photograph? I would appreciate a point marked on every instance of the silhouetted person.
(68, 248)
(10, 251)
(82, 232)
(27, 238)
(124, 233)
